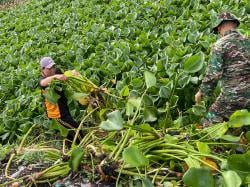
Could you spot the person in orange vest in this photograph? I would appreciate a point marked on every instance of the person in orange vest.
(59, 111)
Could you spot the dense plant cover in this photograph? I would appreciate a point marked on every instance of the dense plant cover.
(151, 55)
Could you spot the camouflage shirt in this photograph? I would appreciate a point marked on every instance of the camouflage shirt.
(230, 63)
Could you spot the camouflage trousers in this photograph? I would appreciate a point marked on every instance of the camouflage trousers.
(224, 107)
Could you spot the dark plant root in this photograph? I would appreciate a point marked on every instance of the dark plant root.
(107, 171)
(96, 99)
(65, 158)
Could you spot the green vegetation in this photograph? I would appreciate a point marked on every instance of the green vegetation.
(151, 56)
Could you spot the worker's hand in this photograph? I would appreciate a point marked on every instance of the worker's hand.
(198, 97)
(61, 77)
(75, 73)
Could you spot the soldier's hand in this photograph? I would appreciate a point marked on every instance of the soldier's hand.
(198, 97)
(61, 77)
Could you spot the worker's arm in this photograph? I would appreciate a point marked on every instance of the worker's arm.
(213, 74)
(45, 82)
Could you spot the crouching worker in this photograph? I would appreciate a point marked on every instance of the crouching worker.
(230, 63)
(60, 111)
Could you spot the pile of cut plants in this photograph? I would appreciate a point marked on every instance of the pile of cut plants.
(140, 64)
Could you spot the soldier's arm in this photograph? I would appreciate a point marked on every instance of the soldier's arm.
(213, 73)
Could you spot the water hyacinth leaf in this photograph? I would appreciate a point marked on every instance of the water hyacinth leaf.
(129, 109)
(147, 100)
(168, 184)
(248, 136)
(184, 80)
(82, 98)
(78, 96)
(114, 121)
(230, 138)
(134, 157)
(56, 126)
(147, 183)
(164, 92)
(240, 163)
(145, 128)
(194, 80)
(198, 177)
(174, 100)
(150, 79)
(203, 147)
(135, 102)
(170, 139)
(194, 63)
(199, 110)
(52, 96)
(137, 82)
(76, 158)
(125, 91)
(248, 7)
(217, 131)
(239, 118)
(231, 179)
(150, 114)
(192, 37)
(192, 163)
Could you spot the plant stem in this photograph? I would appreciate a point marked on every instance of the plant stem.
(81, 124)
(124, 141)
(18, 151)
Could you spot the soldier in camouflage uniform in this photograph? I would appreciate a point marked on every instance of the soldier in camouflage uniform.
(230, 63)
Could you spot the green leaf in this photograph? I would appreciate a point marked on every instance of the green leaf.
(135, 102)
(184, 79)
(194, 63)
(52, 96)
(199, 110)
(230, 138)
(80, 96)
(144, 128)
(174, 100)
(147, 183)
(137, 82)
(170, 139)
(239, 119)
(198, 177)
(150, 114)
(147, 100)
(239, 163)
(248, 136)
(76, 158)
(248, 7)
(192, 163)
(57, 126)
(216, 131)
(164, 92)
(129, 109)
(124, 92)
(203, 147)
(168, 184)
(149, 79)
(134, 157)
(231, 179)
(192, 37)
(114, 121)
(194, 80)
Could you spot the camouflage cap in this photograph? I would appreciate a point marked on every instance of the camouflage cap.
(225, 16)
